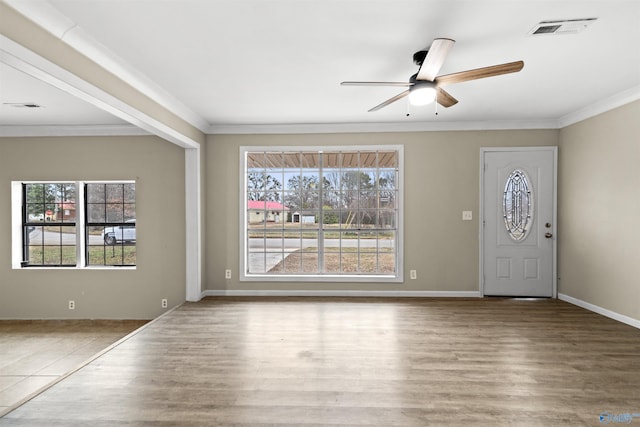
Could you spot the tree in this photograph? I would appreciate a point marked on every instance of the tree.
(329, 216)
(264, 187)
(305, 194)
(47, 197)
(110, 202)
(358, 194)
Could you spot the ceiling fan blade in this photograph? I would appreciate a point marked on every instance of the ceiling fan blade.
(444, 98)
(401, 84)
(390, 100)
(435, 58)
(480, 73)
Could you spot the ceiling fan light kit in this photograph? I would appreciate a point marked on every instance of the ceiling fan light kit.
(426, 86)
(422, 93)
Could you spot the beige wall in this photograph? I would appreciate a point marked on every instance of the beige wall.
(158, 168)
(599, 205)
(441, 180)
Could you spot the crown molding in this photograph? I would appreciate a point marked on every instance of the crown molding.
(615, 101)
(607, 104)
(70, 130)
(379, 127)
(324, 128)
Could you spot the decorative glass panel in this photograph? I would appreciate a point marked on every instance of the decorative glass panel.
(517, 205)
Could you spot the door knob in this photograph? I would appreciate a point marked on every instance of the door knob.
(548, 235)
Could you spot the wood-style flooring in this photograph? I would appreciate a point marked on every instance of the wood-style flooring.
(331, 361)
(36, 353)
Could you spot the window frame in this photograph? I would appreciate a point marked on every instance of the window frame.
(245, 276)
(25, 224)
(18, 204)
(124, 224)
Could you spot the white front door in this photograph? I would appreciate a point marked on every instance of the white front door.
(518, 243)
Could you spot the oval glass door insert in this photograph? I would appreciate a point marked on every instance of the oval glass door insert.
(517, 205)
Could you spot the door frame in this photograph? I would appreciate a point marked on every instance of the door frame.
(554, 229)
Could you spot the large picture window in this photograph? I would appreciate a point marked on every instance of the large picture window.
(327, 214)
(73, 224)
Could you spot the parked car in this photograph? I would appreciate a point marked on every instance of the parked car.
(36, 217)
(119, 234)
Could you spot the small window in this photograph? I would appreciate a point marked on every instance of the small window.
(49, 225)
(73, 224)
(110, 230)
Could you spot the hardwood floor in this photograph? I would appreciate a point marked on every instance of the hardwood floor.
(35, 353)
(331, 361)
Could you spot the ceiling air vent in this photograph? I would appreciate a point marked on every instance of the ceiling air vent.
(22, 104)
(567, 26)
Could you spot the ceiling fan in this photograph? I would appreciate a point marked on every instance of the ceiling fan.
(425, 87)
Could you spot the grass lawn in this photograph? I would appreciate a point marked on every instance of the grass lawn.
(98, 255)
(346, 261)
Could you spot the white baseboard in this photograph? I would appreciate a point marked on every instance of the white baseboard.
(597, 309)
(345, 293)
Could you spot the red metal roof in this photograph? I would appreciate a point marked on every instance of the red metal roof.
(268, 206)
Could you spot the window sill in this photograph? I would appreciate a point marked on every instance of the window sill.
(93, 267)
(320, 278)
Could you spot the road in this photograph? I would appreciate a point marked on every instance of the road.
(52, 238)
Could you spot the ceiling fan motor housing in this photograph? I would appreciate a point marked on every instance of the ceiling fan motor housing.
(419, 56)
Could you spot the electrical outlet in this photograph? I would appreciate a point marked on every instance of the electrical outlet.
(413, 274)
(467, 215)
(72, 305)
(164, 303)
(227, 273)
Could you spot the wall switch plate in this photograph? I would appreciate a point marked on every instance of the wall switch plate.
(72, 305)
(227, 274)
(467, 215)
(164, 303)
(413, 274)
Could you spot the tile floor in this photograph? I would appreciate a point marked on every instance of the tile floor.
(35, 353)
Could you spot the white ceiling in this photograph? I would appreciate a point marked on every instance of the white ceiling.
(233, 64)
(56, 107)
